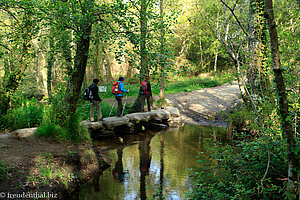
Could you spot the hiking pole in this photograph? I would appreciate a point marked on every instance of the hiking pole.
(112, 108)
(124, 105)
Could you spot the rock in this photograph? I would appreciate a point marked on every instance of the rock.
(139, 117)
(23, 133)
(7, 135)
(111, 122)
(93, 125)
(162, 114)
(173, 111)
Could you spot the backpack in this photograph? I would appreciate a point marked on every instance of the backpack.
(144, 88)
(88, 95)
(116, 88)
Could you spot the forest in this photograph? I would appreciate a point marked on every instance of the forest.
(51, 50)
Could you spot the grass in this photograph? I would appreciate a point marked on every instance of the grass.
(177, 84)
(48, 171)
(4, 170)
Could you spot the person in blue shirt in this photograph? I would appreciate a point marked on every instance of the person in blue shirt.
(119, 97)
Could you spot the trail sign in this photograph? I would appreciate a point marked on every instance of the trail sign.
(102, 88)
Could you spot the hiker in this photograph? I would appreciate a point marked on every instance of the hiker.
(95, 101)
(145, 91)
(119, 96)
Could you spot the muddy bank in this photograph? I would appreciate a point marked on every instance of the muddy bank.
(35, 167)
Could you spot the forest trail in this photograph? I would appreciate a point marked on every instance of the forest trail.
(206, 103)
(201, 105)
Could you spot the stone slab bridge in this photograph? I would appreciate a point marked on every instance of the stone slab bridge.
(134, 122)
(112, 126)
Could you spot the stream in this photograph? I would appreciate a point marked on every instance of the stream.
(150, 164)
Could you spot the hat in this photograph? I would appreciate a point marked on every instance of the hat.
(121, 79)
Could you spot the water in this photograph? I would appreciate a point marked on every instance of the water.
(150, 164)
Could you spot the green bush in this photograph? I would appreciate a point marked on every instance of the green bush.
(72, 131)
(236, 172)
(30, 114)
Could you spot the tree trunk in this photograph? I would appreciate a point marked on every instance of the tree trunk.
(50, 62)
(216, 57)
(143, 38)
(15, 73)
(162, 53)
(107, 65)
(293, 162)
(201, 54)
(80, 61)
(96, 62)
(216, 60)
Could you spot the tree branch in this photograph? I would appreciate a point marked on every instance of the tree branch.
(232, 11)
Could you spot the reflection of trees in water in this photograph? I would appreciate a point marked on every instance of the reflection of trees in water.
(161, 175)
(145, 160)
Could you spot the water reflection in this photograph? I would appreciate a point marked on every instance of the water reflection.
(117, 172)
(151, 165)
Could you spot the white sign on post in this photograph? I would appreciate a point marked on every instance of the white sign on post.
(102, 88)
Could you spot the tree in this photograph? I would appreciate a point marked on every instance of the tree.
(293, 161)
(20, 31)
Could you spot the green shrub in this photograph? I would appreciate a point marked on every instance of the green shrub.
(71, 131)
(30, 114)
(236, 172)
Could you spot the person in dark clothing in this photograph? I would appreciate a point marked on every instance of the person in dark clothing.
(119, 97)
(95, 102)
(146, 93)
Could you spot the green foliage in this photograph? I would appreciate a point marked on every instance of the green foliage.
(29, 114)
(237, 172)
(72, 131)
(48, 171)
(4, 170)
(50, 130)
(161, 103)
(240, 117)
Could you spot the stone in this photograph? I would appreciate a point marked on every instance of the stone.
(173, 111)
(115, 121)
(162, 114)
(139, 117)
(93, 125)
(23, 133)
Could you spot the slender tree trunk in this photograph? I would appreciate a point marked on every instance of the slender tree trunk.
(129, 69)
(50, 62)
(143, 29)
(216, 59)
(96, 62)
(107, 65)
(293, 161)
(15, 73)
(162, 53)
(201, 53)
(217, 47)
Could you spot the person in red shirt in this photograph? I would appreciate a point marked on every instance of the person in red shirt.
(146, 93)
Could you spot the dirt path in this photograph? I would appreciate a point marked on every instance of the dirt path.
(201, 105)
